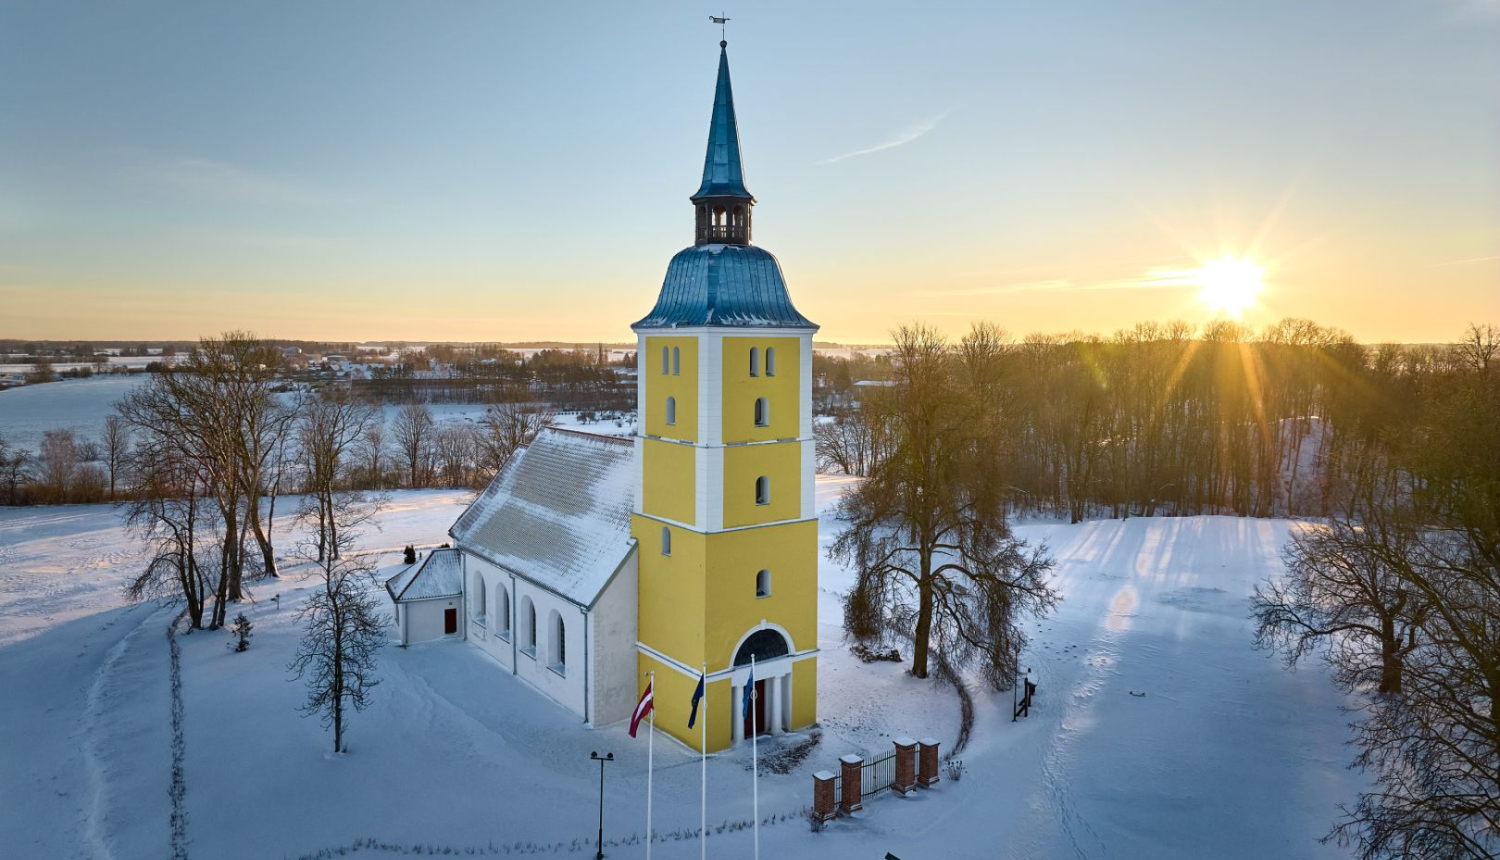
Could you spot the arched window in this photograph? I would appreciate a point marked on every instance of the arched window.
(764, 645)
(676, 361)
(666, 540)
(502, 611)
(770, 361)
(754, 361)
(763, 584)
(528, 634)
(762, 412)
(557, 643)
(763, 490)
(665, 357)
(671, 410)
(478, 604)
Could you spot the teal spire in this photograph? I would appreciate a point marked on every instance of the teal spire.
(722, 174)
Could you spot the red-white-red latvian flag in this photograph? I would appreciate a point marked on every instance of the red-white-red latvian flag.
(642, 708)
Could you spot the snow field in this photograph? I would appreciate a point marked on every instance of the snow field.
(1226, 755)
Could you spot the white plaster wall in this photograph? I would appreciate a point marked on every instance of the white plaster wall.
(425, 618)
(566, 690)
(612, 636)
(491, 637)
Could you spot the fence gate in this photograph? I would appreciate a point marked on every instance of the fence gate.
(878, 775)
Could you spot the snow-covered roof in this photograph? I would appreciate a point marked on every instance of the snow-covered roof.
(558, 514)
(440, 574)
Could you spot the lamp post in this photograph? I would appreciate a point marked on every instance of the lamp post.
(601, 759)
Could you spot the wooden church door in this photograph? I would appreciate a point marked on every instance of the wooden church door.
(757, 711)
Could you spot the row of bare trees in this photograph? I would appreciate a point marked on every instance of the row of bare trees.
(1398, 592)
(1168, 419)
(209, 446)
(208, 439)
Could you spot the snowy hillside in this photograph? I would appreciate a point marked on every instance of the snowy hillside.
(1224, 754)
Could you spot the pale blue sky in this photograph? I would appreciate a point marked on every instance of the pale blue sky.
(495, 170)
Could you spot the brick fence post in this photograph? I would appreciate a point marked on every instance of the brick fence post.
(927, 771)
(825, 805)
(851, 769)
(906, 765)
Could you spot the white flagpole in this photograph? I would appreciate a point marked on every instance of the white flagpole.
(650, 759)
(755, 753)
(703, 800)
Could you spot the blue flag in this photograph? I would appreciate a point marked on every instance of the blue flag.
(697, 695)
(749, 691)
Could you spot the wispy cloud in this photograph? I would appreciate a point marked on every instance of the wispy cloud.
(204, 177)
(1469, 260)
(901, 139)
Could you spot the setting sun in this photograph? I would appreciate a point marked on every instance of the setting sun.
(1229, 286)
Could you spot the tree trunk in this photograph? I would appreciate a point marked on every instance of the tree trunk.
(923, 633)
(1390, 658)
(338, 686)
(268, 552)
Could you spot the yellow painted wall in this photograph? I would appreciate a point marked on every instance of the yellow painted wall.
(790, 552)
(669, 485)
(804, 693)
(673, 697)
(672, 590)
(782, 463)
(682, 385)
(740, 390)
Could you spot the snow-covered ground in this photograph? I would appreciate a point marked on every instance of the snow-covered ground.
(1225, 754)
(82, 405)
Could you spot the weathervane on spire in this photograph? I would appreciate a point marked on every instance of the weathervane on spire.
(723, 28)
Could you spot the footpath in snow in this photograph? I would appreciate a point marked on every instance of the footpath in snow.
(1224, 755)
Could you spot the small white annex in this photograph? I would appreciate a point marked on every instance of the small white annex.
(429, 597)
(547, 569)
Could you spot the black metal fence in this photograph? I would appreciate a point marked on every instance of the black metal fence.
(875, 776)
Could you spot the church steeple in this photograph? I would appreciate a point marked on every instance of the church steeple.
(723, 204)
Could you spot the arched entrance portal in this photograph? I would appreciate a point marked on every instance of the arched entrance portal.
(771, 709)
(764, 645)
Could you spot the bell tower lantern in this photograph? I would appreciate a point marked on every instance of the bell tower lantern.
(722, 203)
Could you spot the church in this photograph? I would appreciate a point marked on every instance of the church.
(691, 550)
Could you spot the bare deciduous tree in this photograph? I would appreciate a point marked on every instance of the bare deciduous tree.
(412, 432)
(329, 425)
(60, 463)
(168, 511)
(219, 411)
(928, 537)
(116, 449)
(507, 427)
(345, 629)
(15, 470)
(371, 451)
(1342, 599)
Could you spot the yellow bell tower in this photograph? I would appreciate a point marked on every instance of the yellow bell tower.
(724, 514)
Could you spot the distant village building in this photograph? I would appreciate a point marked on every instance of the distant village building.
(693, 549)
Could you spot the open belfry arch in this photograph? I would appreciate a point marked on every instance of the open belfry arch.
(724, 513)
